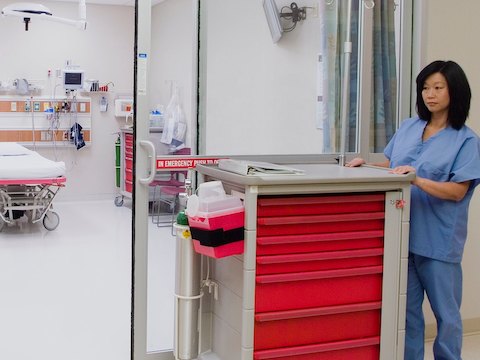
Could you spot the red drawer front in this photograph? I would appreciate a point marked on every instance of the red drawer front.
(129, 175)
(128, 186)
(129, 163)
(295, 225)
(317, 288)
(323, 204)
(317, 325)
(361, 349)
(288, 263)
(290, 244)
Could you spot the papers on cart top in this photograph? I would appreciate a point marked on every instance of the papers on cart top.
(246, 167)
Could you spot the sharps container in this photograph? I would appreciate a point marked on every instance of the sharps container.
(187, 292)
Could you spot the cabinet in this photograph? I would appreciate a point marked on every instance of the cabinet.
(323, 275)
(126, 166)
(126, 160)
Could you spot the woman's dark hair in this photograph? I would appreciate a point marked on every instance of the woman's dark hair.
(458, 89)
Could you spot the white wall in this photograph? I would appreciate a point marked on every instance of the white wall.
(173, 58)
(105, 52)
(449, 27)
(272, 86)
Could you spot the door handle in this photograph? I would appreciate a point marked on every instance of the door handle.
(148, 145)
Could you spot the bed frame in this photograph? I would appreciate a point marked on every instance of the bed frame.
(30, 197)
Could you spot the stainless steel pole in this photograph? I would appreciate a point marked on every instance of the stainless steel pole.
(187, 293)
(345, 101)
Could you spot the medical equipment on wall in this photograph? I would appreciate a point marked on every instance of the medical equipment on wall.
(175, 127)
(103, 104)
(72, 78)
(76, 136)
(27, 11)
(21, 86)
(157, 117)
(124, 108)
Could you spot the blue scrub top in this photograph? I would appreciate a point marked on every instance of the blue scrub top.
(438, 228)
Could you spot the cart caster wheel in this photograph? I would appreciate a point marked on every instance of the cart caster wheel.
(51, 220)
(119, 201)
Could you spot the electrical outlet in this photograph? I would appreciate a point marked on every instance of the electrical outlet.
(13, 106)
(27, 106)
(36, 106)
(83, 107)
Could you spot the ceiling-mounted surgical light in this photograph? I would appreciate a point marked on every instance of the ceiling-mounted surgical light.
(28, 11)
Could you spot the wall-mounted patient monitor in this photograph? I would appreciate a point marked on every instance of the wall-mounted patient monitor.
(72, 79)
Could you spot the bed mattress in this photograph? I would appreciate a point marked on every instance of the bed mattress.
(18, 162)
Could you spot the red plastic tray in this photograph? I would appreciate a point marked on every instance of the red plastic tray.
(226, 220)
(316, 325)
(217, 252)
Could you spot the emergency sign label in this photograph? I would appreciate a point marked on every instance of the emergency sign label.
(182, 163)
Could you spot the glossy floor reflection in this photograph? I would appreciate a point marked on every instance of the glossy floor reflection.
(470, 351)
(65, 294)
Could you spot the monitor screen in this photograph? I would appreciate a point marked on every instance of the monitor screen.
(72, 79)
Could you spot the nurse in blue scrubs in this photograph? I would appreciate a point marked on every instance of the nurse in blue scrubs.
(445, 155)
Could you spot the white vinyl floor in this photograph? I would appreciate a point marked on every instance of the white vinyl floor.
(65, 294)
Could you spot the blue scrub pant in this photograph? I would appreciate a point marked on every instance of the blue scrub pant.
(442, 282)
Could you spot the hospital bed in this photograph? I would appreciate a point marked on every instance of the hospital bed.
(28, 184)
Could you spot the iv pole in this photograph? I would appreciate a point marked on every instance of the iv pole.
(344, 110)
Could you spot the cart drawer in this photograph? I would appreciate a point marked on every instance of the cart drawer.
(317, 288)
(323, 204)
(288, 263)
(345, 240)
(128, 186)
(358, 349)
(317, 224)
(129, 163)
(129, 175)
(316, 325)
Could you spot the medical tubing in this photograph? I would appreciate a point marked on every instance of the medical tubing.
(33, 124)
